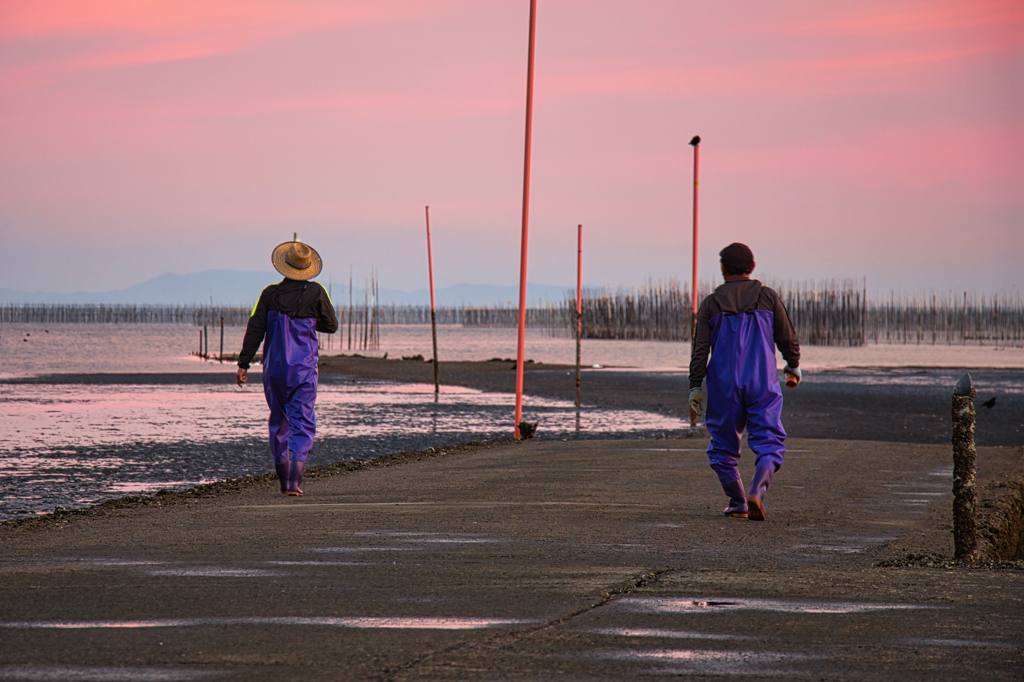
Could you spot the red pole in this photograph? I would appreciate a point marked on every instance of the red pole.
(579, 306)
(526, 222)
(433, 308)
(696, 183)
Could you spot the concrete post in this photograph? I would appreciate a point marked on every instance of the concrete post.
(965, 496)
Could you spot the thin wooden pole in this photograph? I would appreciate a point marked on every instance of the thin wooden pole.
(220, 358)
(433, 306)
(376, 308)
(579, 305)
(521, 345)
(350, 307)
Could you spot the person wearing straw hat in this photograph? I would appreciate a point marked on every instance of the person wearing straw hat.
(289, 315)
(739, 325)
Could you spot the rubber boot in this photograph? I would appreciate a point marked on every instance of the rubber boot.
(758, 487)
(297, 469)
(283, 470)
(737, 500)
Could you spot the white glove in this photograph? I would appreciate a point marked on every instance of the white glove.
(696, 400)
(793, 376)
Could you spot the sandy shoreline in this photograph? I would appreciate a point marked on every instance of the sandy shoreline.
(878, 405)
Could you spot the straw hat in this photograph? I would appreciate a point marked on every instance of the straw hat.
(296, 260)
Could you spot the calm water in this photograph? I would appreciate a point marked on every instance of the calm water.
(34, 349)
(73, 441)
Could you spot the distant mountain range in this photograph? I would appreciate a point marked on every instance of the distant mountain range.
(242, 287)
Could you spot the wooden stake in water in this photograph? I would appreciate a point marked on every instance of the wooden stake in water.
(521, 344)
(579, 305)
(206, 343)
(433, 306)
(965, 496)
(220, 358)
(350, 307)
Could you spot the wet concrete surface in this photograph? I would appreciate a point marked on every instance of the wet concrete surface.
(574, 560)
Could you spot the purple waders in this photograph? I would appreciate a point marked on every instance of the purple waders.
(743, 392)
(289, 381)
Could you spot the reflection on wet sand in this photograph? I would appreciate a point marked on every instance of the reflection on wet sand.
(73, 444)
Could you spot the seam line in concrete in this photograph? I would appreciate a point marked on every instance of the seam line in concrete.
(607, 596)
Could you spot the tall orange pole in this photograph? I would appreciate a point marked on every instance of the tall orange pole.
(433, 308)
(696, 183)
(579, 306)
(526, 223)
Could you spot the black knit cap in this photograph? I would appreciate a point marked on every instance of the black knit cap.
(737, 258)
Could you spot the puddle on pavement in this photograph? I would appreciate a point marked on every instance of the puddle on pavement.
(342, 550)
(664, 634)
(83, 563)
(840, 549)
(959, 643)
(421, 537)
(64, 673)
(213, 572)
(717, 663)
(688, 605)
(167, 568)
(324, 563)
(371, 623)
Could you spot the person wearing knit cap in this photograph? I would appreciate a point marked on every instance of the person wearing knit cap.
(289, 314)
(739, 325)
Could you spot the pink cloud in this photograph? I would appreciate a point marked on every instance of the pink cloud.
(44, 18)
(987, 161)
(118, 33)
(886, 17)
(874, 72)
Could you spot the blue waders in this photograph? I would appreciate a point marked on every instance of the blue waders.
(743, 392)
(290, 374)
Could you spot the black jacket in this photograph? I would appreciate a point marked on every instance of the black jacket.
(300, 300)
(740, 296)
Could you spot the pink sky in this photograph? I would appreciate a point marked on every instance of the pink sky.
(873, 138)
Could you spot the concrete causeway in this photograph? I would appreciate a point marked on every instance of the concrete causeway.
(548, 560)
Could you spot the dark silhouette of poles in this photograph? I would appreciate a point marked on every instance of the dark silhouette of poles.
(350, 307)
(965, 496)
(579, 305)
(220, 358)
(433, 306)
(696, 183)
(521, 345)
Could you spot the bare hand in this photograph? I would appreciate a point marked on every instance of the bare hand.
(241, 376)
